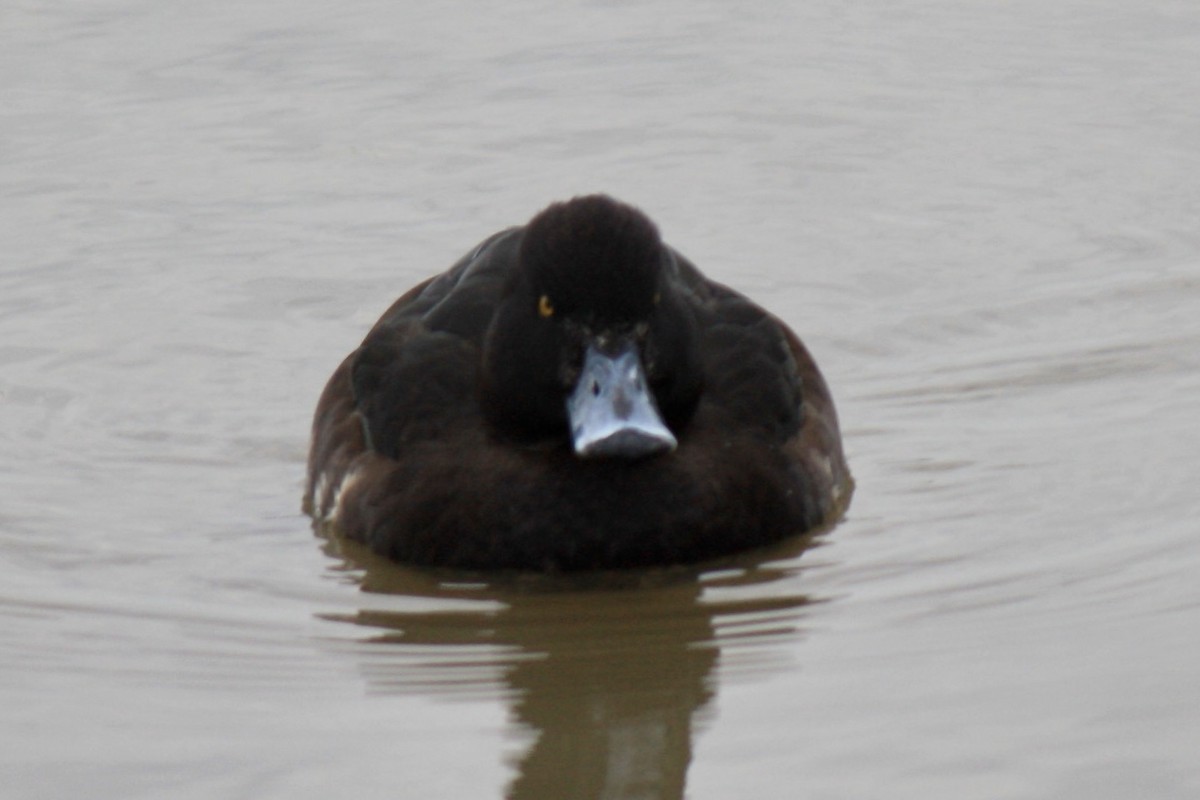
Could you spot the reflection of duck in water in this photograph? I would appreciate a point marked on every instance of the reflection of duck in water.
(614, 698)
(609, 679)
(574, 394)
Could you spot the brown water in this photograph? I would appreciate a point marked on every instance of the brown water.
(984, 218)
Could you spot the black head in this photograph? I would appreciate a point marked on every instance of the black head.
(590, 271)
(596, 261)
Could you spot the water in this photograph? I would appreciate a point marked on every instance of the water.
(980, 216)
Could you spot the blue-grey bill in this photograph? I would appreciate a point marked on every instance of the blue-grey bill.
(612, 411)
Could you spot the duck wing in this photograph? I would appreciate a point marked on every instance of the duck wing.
(414, 377)
(759, 376)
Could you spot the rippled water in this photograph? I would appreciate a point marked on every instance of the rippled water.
(982, 217)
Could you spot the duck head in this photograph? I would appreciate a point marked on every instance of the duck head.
(592, 343)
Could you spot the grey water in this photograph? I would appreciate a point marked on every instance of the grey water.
(982, 217)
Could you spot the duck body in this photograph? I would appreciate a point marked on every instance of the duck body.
(574, 394)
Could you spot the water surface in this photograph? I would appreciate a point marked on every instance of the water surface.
(980, 216)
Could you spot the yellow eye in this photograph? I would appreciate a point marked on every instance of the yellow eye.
(657, 298)
(544, 306)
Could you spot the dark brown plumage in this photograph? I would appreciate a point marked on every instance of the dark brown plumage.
(444, 439)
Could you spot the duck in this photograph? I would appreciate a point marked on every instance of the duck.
(574, 394)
